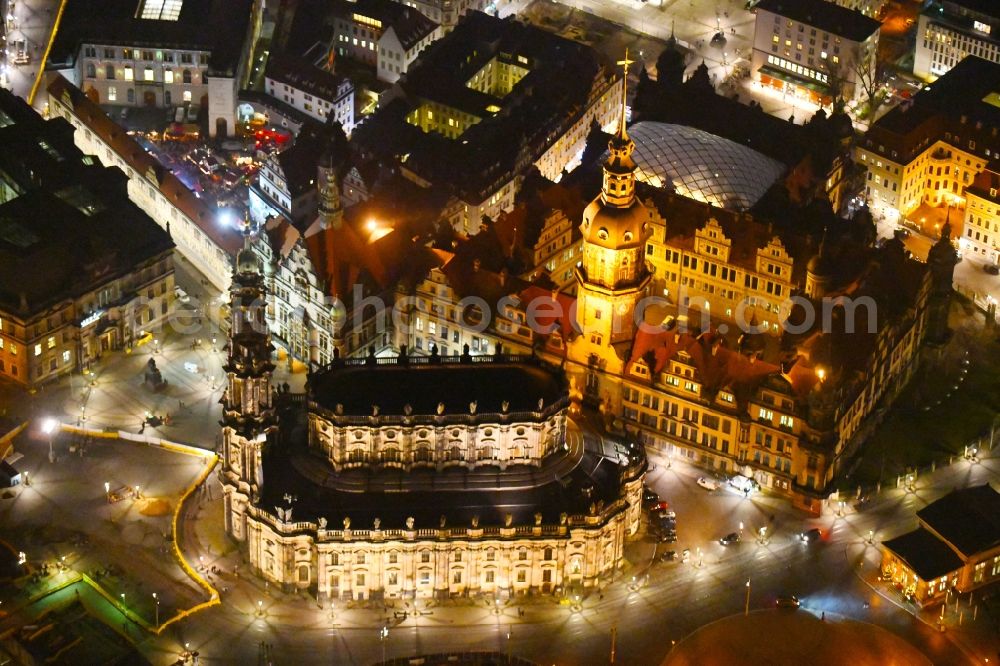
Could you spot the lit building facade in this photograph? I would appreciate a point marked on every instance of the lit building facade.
(930, 150)
(67, 295)
(204, 239)
(703, 273)
(319, 94)
(383, 34)
(567, 532)
(160, 53)
(982, 215)
(446, 13)
(950, 30)
(808, 46)
(954, 550)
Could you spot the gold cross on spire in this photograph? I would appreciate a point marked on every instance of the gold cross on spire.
(624, 64)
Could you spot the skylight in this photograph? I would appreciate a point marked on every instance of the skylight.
(160, 10)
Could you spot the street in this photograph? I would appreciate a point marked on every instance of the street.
(30, 21)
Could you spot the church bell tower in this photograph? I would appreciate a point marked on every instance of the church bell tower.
(613, 276)
(248, 417)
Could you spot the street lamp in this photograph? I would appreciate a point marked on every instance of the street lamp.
(762, 535)
(49, 427)
(871, 536)
(157, 600)
(260, 608)
(746, 607)
(137, 492)
(383, 636)
(107, 491)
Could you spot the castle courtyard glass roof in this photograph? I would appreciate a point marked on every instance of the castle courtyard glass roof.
(702, 166)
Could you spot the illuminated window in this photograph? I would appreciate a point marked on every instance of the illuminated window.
(822, 54)
(168, 76)
(765, 414)
(161, 10)
(51, 342)
(147, 74)
(128, 74)
(66, 356)
(38, 350)
(787, 421)
(187, 95)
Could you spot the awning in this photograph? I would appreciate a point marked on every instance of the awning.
(795, 79)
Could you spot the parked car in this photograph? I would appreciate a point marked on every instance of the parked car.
(668, 537)
(730, 538)
(661, 507)
(788, 602)
(815, 534)
(708, 484)
(744, 484)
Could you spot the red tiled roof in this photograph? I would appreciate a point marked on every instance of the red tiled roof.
(339, 255)
(718, 366)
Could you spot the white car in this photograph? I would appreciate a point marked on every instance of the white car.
(708, 484)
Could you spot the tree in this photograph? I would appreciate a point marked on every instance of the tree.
(868, 76)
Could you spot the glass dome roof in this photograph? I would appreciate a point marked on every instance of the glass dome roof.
(702, 166)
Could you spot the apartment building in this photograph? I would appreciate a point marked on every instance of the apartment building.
(812, 49)
(950, 30)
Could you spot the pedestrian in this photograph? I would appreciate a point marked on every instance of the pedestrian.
(822, 616)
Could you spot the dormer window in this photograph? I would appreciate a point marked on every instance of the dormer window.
(627, 237)
(602, 233)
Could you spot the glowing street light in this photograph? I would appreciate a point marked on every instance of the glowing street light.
(156, 598)
(49, 427)
(821, 374)
(746, 607)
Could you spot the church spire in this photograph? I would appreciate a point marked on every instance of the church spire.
(331, 211)
(624, 64)
(618, 188)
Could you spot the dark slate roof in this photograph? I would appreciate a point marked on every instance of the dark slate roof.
(300, 161)
(409, 24)
(218, 26)
(968, 519)
(824, 15)
(291, 468)
(964, 102)
(924, 553)
(422, 383)
(72, 226)
(301, 74)
(541, 105)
